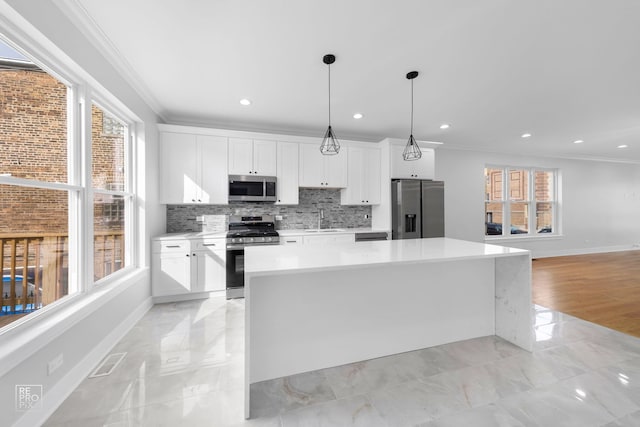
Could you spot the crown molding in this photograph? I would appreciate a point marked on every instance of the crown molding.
(81, 18)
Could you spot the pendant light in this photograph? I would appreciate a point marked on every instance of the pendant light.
(412, 150)
(330, 144)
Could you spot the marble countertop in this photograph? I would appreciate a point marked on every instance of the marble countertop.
(192, 235)
(284, 233)
(303, 232)
(282, 259)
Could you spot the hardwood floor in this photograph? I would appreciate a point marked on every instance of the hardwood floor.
(601, 288)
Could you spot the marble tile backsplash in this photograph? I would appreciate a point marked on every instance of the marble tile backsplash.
(182, 218)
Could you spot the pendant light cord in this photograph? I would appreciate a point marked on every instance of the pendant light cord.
(411, 106)
(329, 65)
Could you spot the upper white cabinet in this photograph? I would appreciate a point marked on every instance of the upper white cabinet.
(193, 168)
(252, 157)
(320, 171)
(422, 168)
(363, 177)
(287, 173)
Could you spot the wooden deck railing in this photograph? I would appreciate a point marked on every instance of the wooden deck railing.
(35, 267)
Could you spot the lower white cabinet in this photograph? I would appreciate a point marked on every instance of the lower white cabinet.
(291, 240)
(187, 266)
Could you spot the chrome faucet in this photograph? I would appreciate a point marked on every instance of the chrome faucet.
(320, 218)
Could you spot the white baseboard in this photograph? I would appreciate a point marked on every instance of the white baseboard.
(188, 297)
(63, 388)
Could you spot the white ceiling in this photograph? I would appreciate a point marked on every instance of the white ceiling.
(493, 69)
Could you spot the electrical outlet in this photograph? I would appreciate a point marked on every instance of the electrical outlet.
(54, 364)
(278, 217)
(199, 218)
(366, 216)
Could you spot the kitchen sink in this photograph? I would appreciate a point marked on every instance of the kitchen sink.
(323, 230)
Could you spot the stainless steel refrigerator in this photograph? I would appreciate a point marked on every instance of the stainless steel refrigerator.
(417, 209)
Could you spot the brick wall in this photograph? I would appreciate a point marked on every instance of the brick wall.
(33, 145)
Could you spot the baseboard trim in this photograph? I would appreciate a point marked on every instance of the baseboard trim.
(63, 388)
(188, 297)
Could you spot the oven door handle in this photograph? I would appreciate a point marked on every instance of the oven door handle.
(234, 247)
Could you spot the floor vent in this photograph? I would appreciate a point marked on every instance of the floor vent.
(108, 365)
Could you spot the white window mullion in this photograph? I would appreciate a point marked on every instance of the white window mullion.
(74, 177)
(506, 207)
(86, 255)
(131, 220)
(532, 201)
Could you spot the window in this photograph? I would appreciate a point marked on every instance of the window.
(55, 202)
(528, 190)
(37, 248)
(112, 201)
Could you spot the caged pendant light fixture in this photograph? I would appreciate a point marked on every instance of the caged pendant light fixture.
(412, 150)
(330, 144)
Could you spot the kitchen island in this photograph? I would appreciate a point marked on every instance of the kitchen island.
(313, 307)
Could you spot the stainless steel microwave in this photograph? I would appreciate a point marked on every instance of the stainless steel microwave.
(252, 188)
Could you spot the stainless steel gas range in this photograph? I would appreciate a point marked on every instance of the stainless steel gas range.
(246, 231)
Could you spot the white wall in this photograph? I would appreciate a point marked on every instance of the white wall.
(88, 325)
(600, 201)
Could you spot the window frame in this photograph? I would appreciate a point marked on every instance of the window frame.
(82, 90)
(128, 193)
(531, 202)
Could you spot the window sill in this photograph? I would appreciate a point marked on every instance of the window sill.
(520, 237)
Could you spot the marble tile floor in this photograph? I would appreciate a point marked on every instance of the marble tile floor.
(184, 367)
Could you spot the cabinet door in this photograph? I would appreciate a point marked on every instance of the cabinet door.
(178, 168)
(240, 156)
(336, 169)
(372, 181)
(353, 194)
(328, 238)
(214, 187)
(287, 173)
(210, 270)
(417, 169)
(264, 157)
(311, 172)
(171, 274)
(291, 240)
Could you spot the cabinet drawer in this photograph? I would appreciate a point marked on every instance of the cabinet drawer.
(211, 244)
(169, 246)
(290, 240)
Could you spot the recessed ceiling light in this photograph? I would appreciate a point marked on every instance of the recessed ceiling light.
(526, 135)
(445, 126)
(623, 146)
(245, 101)
(578, 141)
(358, 116)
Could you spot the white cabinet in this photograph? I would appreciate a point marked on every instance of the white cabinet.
(186, 266)
(328, 238)
(363, 177)
(171, 267)
(193, 168)
(291, 240)
(252, 157)
(210, 257)
(422, 168)
(320, 171)
(287, 173)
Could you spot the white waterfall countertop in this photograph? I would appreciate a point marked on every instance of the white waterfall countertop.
(282, 259)
(311, 307)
